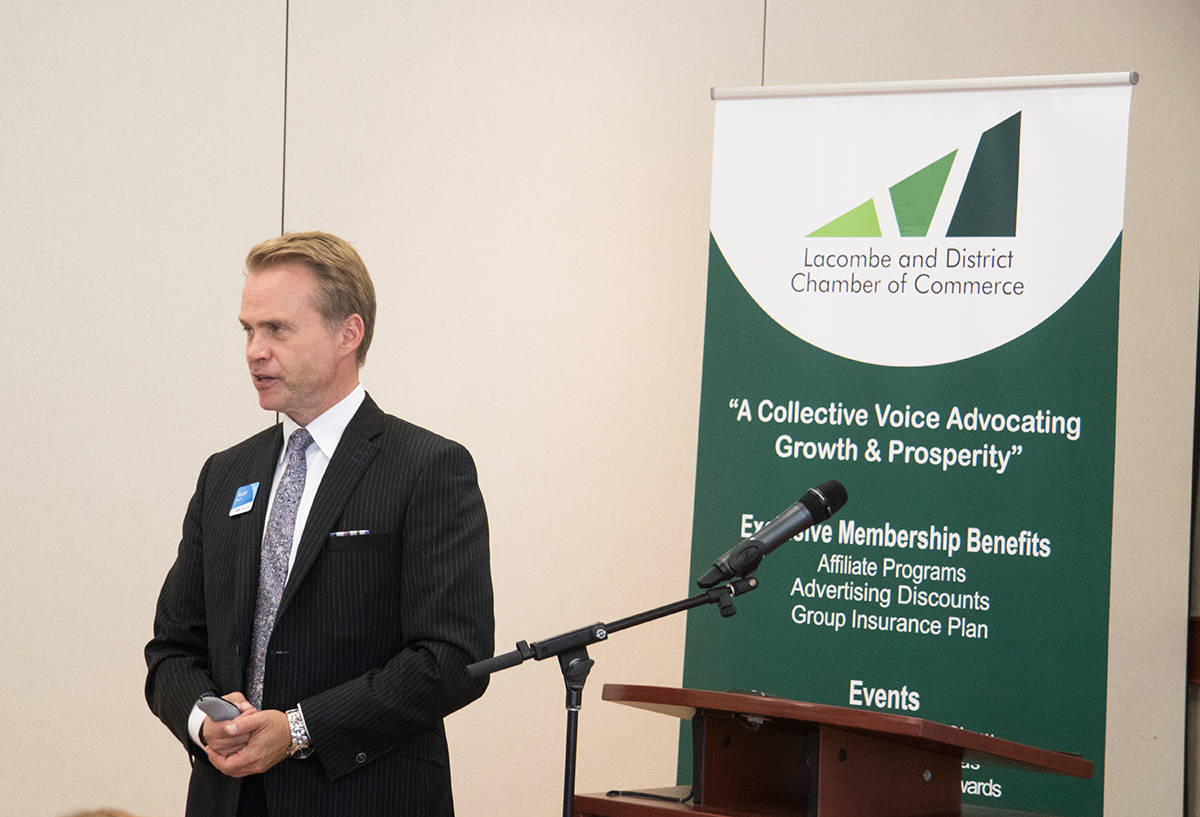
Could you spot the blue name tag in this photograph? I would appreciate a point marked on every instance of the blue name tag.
(243, 500)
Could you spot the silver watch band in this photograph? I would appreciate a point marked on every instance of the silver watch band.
(301, 746)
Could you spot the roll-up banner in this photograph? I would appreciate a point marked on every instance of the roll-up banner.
(913, 290)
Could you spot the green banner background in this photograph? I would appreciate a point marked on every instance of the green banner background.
(1039, 675)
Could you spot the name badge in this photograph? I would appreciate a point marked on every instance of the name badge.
(243, 500)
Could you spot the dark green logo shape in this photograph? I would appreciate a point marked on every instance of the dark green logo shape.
(987, 205)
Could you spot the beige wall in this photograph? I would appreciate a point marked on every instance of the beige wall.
(529, 183)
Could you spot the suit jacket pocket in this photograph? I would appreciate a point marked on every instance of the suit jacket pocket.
(363, 541)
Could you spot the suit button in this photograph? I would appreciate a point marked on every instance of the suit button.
(361, 757)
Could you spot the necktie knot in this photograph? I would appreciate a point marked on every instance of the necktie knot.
(298, 443)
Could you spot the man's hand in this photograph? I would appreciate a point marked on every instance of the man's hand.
(214, 735)
(251, 743)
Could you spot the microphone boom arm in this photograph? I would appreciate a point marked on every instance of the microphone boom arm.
(551, 647)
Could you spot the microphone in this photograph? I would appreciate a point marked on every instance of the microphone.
(817, 505)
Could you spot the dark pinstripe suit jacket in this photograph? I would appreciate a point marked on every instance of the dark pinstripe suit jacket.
(373, 634)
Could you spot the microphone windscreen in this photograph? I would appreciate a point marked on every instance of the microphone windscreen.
(825, 500)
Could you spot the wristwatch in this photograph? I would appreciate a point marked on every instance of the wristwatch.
(301, 747)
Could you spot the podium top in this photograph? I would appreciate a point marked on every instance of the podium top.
(971, 746)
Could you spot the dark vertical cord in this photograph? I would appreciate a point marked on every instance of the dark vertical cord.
(1188, 786)
(763, 78)
(287, 8)
(287, 20)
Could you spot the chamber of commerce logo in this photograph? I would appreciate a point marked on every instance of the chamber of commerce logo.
(987, 204)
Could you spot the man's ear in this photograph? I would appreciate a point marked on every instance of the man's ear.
(352, 332)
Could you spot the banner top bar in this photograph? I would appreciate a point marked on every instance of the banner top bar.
(926, 86)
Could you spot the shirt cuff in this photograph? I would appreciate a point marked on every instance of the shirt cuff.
(195, 721)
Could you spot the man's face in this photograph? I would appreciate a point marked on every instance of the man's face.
(297, 362)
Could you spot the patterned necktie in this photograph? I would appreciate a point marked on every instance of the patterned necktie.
(273, 564)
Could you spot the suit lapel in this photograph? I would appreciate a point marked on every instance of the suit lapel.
(354, 453)
(249, 545)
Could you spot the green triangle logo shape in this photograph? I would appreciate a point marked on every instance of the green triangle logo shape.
(861, 222)
(915, 198)
(987, 204)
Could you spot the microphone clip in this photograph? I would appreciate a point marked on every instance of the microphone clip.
(723, 596)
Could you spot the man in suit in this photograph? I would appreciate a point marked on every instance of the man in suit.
(332, 580)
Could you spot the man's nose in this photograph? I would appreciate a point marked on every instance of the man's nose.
(257, 349)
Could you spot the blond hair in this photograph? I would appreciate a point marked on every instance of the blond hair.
(344, 286)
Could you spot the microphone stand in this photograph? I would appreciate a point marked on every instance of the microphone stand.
(571, 650)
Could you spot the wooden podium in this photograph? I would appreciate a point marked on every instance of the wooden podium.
(771, 757)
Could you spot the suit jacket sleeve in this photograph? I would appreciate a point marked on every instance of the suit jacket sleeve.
(177, 656)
